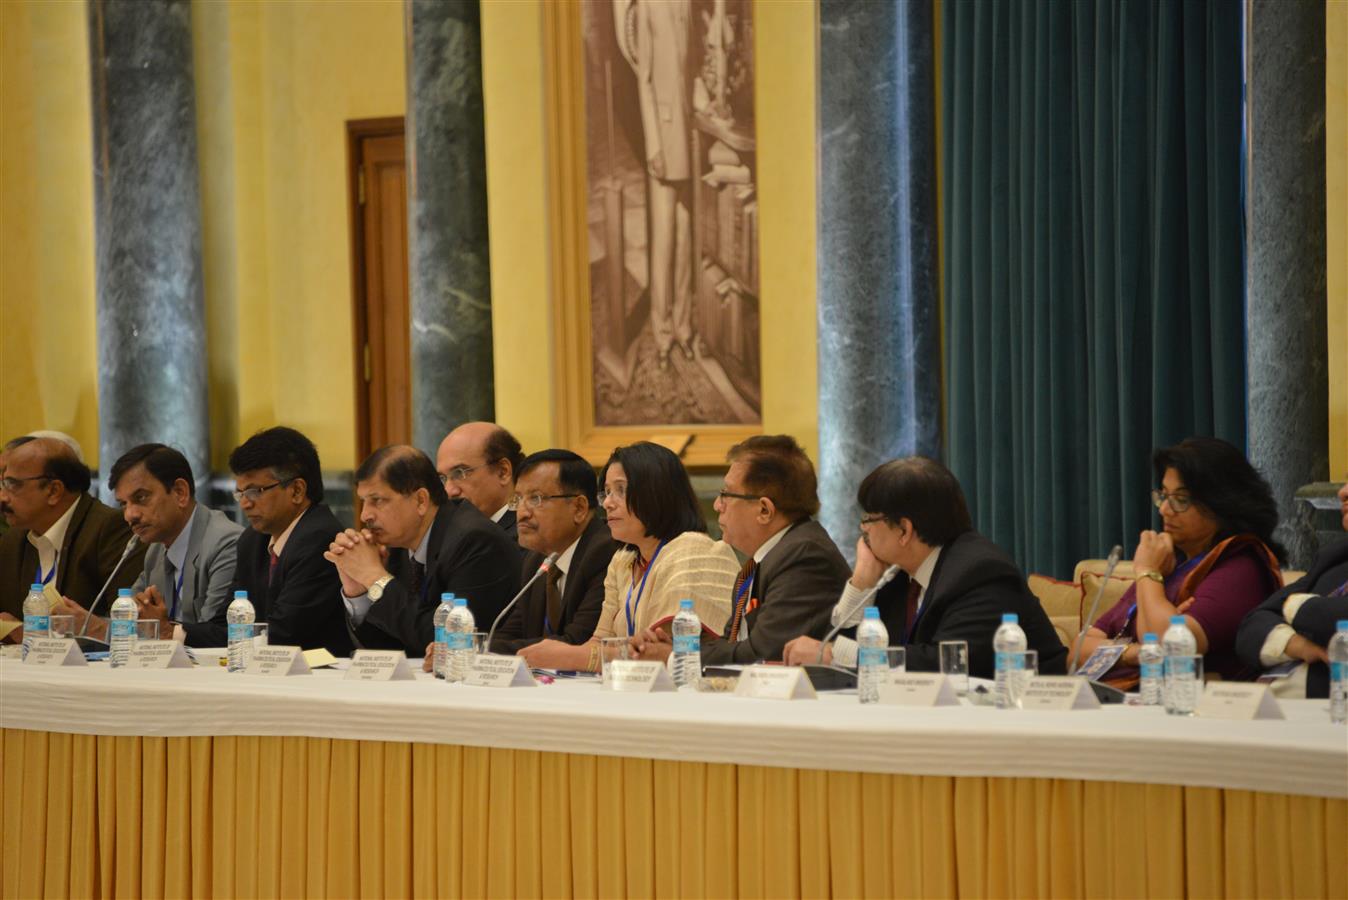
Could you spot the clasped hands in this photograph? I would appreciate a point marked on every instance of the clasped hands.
(359, 560)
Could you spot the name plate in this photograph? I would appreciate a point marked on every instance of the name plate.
(54, 652)
(499, 670)
(636, 676)
(277, 660)
(918, 689)
(1229, 700)
(775, 683)
(158, 655)
(379, 665)
(1058, 692)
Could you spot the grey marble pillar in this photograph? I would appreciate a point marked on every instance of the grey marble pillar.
(1286, 352)
(879, 354)
(450, 284)
(150, 310)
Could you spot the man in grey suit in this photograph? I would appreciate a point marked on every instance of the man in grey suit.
(793, 572)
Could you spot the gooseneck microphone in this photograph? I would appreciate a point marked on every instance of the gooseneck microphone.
(885, 578)
(543, 567)
(1114, 556)
(89, 614)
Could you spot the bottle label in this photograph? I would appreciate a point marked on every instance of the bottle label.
(36, 624)
(687, 643)
(240, 631)
(1151, 670)
(122, 628)
(459, 640)
(440, 634)
(871, 656)
(1180, 666)
(1003, 661)
(1338, 671)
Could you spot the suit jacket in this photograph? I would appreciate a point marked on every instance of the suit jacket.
(973, 584)
(509, 525)
(302, 603)
(796, 586)
(582, 596)
(208, 568)
(1315, 620)
(93, 543)
(467, 554)
(664, 84)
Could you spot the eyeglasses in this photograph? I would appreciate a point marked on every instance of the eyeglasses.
(619, 493)
(253, 494)
(724, 495)
(534, 501)
(10, 485)
(1178, 502)
(873, 520)
(459, 473)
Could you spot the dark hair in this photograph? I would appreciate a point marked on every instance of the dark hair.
(500, 445)
(574, 474)
(287, 453)
(16, 442)
(777, 468)
(405, 469)
(60, 463)
(658, 490)
(163, 462)
(922, 491)
(1221, 480)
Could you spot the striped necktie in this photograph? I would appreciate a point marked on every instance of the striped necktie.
(741, 602)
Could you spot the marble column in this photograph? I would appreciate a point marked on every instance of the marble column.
(879, 354)
(150, 309)
(450, 284)
(1286, 351)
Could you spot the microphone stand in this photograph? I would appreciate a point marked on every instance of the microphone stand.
(89, 614)
(543, 567)
(1114, 556)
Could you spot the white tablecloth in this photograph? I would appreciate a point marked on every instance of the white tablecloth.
(1304, 754)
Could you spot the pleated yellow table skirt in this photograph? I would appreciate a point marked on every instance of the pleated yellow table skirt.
(298, 817)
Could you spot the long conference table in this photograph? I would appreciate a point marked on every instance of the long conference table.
(201, 783)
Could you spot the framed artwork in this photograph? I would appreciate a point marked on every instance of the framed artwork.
(652, 180)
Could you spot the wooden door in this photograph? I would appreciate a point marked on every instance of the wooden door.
(378, 184)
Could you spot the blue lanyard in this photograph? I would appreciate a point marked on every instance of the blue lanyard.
(1179, 570)
(45, 579)
(631, 610)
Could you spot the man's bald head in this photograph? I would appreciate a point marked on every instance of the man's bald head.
(479, 461)
(43, 478)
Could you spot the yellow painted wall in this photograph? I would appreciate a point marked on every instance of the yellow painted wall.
(1336, 233)
(47, 350)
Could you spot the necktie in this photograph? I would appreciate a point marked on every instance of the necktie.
(1341, 590)
(271, 566)
(173, 589)
(553, 594)
(741, 601)
(417, 577)
(914, 589)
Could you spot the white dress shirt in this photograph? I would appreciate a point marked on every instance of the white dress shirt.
(48, 545)
(847, 612)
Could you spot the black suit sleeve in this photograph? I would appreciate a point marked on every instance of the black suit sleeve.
(1258, 622)
(1318, 618)
(214, 633)
(309, 600)
(976, 617)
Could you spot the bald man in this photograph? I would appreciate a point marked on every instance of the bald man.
(59, 534)
(479, 461)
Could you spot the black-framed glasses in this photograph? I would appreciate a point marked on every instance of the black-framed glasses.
(534, 501)
(1178, 502)
(875, 519)
(13, 484)
(731, 495)
(253, 494)
(459, 473)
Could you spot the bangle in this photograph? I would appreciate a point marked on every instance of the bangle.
(1153, 575)
(592, 664)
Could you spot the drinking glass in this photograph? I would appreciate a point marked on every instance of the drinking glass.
(1024, 666)
(955, 665)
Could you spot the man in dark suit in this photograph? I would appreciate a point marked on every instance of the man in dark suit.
(945, 581)
(479, 461)
(58, 533)
(794, 571)
(434, 545)
(1297, 622)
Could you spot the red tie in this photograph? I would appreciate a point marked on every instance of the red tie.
(271, 566)
(914, 589)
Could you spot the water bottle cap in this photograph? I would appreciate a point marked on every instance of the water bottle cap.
(1149, 638)
(1010, 619)
(1177, 620)
(447, 597)
(460, 601)
(871, 613)
(240, 595)
(1342, 626)
(36, 587)
(123, 592)
(685, 604)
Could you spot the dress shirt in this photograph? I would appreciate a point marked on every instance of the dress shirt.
(48, 544)
(359, 605)
(496, 516)
(854, 600)
(759, 555)
(563, 564)
(278, 541)
(1274, 651)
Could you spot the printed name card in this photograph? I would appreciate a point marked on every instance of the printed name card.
(1229, 700)
(54, 652)
(1058, 692)
(498, 670)
(775, 683)
(379, 665)
(635, 676)
(277, 660)
(158, 655)
(918, 689)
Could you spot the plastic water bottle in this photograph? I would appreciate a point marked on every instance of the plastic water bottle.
(459, 628)
(1181, 681)
(121, 629)
(1151, 661)
(687, 629)
(872, 658)
(1008, 642)
(36, 617)
(1338, 674)
(440, 649)
(239, 620)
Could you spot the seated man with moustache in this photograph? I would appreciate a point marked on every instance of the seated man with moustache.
(794, 571)
(479, 461)
(434, 545)
(944, 581)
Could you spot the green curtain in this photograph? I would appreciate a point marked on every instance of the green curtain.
(1094, 259)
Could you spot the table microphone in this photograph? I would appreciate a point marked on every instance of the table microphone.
(1114, 556)
(130, 545)
(543, 567)
(885, 578)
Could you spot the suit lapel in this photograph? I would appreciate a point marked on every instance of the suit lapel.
(192, 560)
(66, 552)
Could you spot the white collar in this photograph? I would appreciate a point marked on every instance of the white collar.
(496, 516)
(420, 553)
(923, 574)
(767, 546)
(54, 536)
(278, 541)
(564, 561)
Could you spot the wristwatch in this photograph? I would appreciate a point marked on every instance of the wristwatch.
(376, 590)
